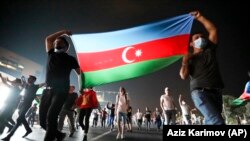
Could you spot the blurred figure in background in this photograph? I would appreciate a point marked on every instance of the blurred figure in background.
(68, 110)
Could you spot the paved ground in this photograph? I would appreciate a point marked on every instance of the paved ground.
(95, 134)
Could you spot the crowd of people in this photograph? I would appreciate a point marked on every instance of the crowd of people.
(60, 99)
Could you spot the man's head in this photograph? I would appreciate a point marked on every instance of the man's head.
(61, 44)
(122, 90)
(167, 90)
(31, 79)
(198, 41)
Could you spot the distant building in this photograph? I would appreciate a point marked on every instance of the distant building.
(16, 65)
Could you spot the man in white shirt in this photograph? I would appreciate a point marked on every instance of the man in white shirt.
(185, 109)
(168, 107)
(139, 116)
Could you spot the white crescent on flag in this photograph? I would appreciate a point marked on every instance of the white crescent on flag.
(124, 55)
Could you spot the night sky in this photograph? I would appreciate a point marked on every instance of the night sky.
(25, 24)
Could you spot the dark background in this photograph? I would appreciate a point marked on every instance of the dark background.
(24, 24)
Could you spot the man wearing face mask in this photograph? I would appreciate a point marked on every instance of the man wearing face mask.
(59, 66)
(205, 79)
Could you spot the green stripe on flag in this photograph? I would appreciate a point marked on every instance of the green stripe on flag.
(238, 102)
(127, 71)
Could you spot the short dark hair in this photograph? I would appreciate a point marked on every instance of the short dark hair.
(33, 77)
(64, 39)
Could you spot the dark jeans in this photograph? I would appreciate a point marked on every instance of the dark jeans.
(52, 100)
(21, 119)
(158, 123)
(170, 117)
(85, 115)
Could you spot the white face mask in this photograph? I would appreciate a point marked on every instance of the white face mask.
(200, 43)
(60, 49)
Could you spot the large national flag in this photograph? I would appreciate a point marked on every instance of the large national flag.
(244, 98)
(129, 53)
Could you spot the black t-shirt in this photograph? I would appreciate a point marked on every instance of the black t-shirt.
(59, 66)
(112, 110)
(148, 115)
(29, 94)
(70, 101)
(129, 112)
(204, 70)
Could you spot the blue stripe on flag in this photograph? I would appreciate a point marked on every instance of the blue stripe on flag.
(97, 42)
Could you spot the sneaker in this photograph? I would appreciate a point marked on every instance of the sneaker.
(27, 133)
(85, 138)
(61, 136)
(122, 136)
(118, 136)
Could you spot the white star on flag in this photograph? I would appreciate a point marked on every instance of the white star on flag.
(138, 53)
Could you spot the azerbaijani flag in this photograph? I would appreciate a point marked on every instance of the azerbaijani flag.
(244, 98)
(129, 53)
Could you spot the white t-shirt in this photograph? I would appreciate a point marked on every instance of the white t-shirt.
(168, 102)
(139, 115)
(122, 104)
(185, 109)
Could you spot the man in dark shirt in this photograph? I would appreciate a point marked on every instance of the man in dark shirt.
(68, 110)
(59, 66)
(202, 67)
(24, 105)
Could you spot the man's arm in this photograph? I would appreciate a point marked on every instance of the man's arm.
(4, 80)
(161, 103)
(51, 38)
(78, 72)
(209, 26)
(184, 71)
(180, 98)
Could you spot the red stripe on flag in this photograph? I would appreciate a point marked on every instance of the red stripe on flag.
(156, 49)
(245, 96)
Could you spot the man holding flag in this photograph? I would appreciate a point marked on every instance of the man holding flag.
(59, 66)
(202, 67)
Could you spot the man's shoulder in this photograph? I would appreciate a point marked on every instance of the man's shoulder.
(164, 96)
